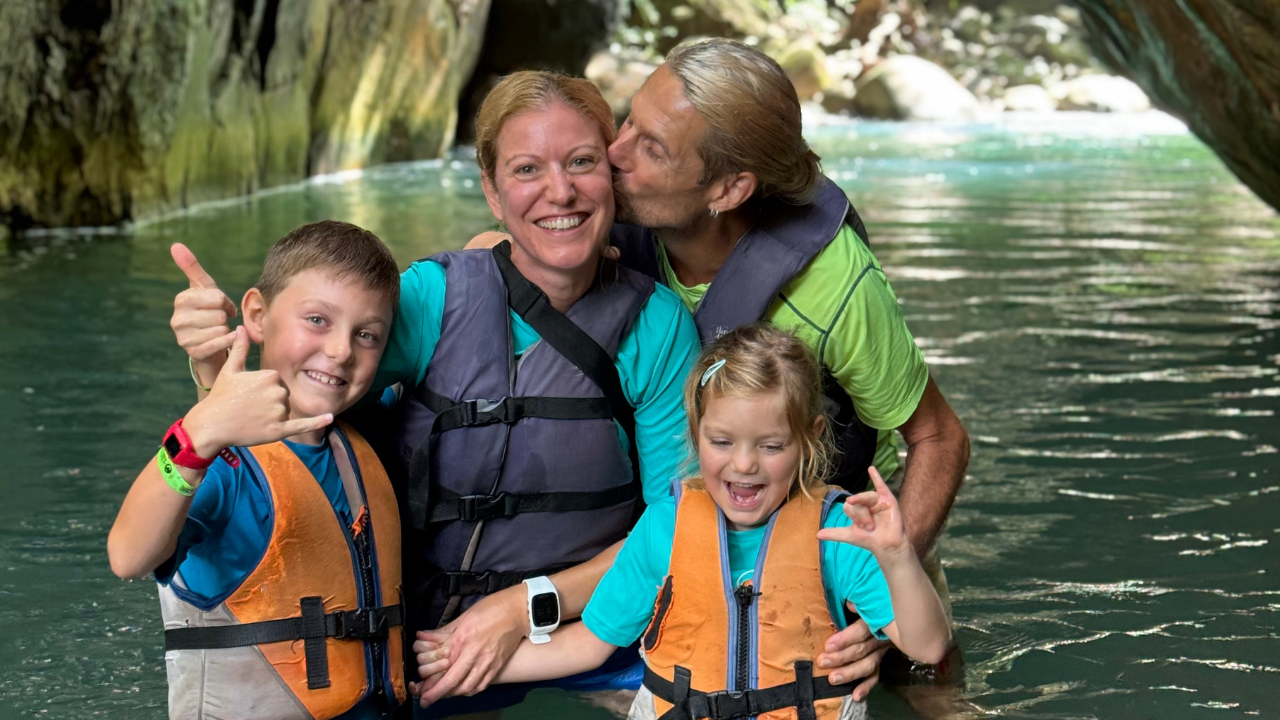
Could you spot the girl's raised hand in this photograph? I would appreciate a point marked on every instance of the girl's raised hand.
(876, 523)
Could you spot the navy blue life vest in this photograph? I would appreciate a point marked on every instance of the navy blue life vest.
(513, 466)
(784, 240)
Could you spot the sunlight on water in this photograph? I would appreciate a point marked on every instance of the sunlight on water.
(1097, 296)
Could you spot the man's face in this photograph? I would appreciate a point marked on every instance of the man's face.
(656, 167)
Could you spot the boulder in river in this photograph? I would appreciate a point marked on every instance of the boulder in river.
(111, 111)
(1101, 93)
(1029, 98)
(904, 87)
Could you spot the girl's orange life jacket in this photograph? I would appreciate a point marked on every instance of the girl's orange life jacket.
(773, 626)
(316, 627)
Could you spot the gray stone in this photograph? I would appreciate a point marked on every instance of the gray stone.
(909, 88)
(1101, 93)
(1028, 98)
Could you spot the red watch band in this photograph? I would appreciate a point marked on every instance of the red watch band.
(178, 444)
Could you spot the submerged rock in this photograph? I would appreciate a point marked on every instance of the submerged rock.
(1029, 98)
(909, 88)
(112, 111)
(1213, 63)
(1101, 93)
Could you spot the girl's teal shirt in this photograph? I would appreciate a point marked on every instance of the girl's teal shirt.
(653, 360)
(623, 602)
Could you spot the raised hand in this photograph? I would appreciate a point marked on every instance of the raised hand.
(200, 315)
(876, 522)
(245, 408)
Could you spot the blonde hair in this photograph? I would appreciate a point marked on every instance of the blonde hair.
(753, 118)
(528, 90)
(760, 359)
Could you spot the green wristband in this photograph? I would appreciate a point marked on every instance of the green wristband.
(191, 365)
(171, 474)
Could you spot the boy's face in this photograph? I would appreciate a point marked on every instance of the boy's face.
(324, 335)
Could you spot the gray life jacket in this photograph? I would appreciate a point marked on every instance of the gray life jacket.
(514, 468)
(782, 243)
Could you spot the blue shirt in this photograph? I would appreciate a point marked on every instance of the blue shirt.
(229, 525)
(623, 602)
(653, 360)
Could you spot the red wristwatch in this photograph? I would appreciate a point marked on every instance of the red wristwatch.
(178, 444)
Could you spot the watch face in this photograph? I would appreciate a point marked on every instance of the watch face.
(172, 446)
(546, 609)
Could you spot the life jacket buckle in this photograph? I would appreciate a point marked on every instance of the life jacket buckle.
(472, 508)
(480, 412)
(362, 624)
(722, 705)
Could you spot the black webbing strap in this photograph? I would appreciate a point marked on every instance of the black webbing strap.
(571, 341)
(313, 647)
(452, 415)
(487, 582)
(724, 705)
(362, 624)
(449, 506)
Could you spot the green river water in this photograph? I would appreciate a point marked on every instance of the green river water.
(1098, 297)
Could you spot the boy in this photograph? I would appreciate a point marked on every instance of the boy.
(273, 532)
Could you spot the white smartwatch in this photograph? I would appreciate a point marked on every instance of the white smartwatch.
(544, 609)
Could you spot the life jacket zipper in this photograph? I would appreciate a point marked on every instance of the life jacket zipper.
(360, 538)
(745, 595)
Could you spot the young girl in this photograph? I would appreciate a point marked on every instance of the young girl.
(727, 582)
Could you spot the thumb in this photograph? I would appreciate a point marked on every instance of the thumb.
(190, 267)
(239, 352)
(289, 428)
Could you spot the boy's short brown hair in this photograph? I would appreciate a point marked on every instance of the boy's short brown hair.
(347, 251)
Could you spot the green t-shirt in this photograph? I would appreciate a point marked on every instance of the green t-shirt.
(623, 603)
(841, 304)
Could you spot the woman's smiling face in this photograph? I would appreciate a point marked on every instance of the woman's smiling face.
(552, 188)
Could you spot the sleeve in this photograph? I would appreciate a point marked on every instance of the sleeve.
(653, 361)
(208, 517)
(622, 605)
(855, 576)
(870, 350)
(416, 328)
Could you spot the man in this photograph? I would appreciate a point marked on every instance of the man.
(726, 204)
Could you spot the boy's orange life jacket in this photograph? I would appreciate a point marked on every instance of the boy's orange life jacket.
(317, 623)
(773, 626)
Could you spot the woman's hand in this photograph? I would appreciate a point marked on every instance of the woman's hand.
(475, 646)
(876, 523)
(854, 654)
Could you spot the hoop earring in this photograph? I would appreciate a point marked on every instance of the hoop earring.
(714, 213)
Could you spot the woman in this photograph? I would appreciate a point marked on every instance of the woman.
(534, 376)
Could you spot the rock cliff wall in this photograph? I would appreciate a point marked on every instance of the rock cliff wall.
(1213, 63)
(118, 109)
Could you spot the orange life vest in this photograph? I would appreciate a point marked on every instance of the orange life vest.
(773, 627)
(316, 627)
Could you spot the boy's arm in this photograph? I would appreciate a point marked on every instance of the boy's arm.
(243, 409)
(146, 531)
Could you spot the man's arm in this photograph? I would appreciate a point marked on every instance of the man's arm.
(937, 455)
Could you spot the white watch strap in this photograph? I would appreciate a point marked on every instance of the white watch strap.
(541, 584)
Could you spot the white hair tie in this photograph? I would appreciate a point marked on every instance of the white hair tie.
(706, 375)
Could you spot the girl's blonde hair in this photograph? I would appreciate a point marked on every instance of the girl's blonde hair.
(759, 359)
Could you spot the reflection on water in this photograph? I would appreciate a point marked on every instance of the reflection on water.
(1100, 303)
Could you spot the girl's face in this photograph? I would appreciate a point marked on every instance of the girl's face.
(748, 456)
